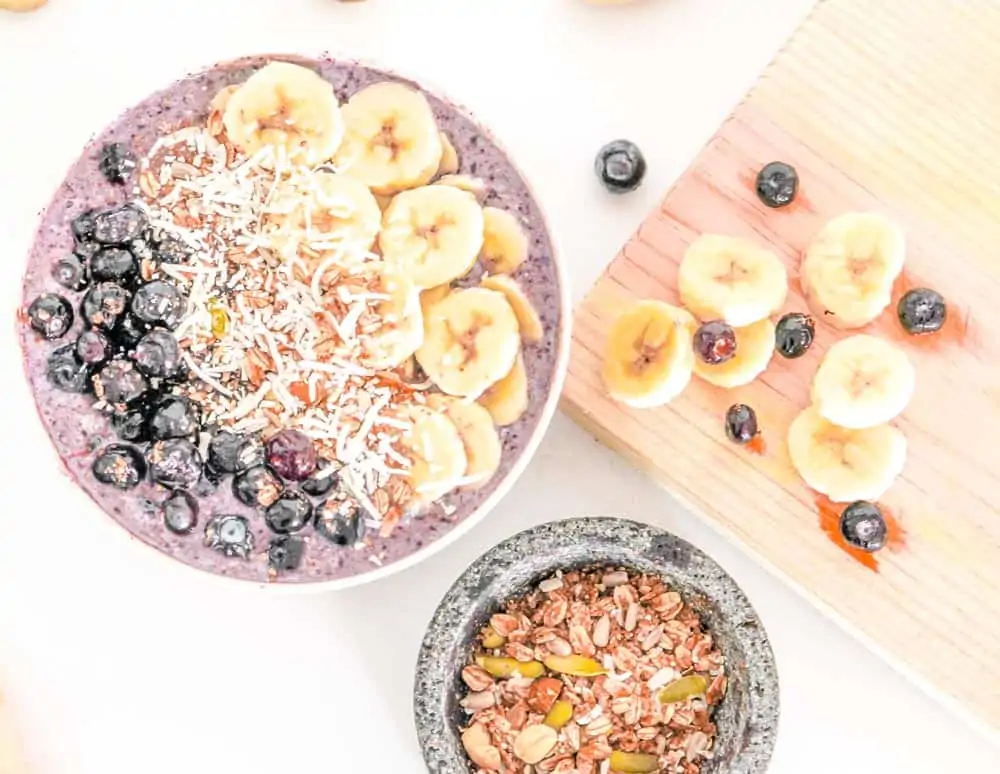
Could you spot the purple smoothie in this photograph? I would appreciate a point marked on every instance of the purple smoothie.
(78, 431)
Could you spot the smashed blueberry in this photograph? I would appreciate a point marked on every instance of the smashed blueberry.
(119, 383)
(285, 553)
(229, 534)
(82, 227)
(93, 348)
(86, 250)
(157, 354)
(119, 465)
(922, 310)
(180, 513)
(132, 424)
(741, 423)
(104, 305)
(291, 454)
(794, 334)
(119, 225)
(142, 249)
(715, 342)
(50, 315)
(159, 303)
(116, 162)
(175, 464)
(129, 332)
(113, 264)
(341, 522)
(258, 487)
(289, 513)
(620, 166)
(70, 272)
(65, 372)
(169, 249)
(231, 453)
(777, 184)
(322, 482)
(174, 416)
(863, 526)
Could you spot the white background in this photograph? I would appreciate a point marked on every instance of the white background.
(115, 662)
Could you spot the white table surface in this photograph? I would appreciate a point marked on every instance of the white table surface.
(115, 663)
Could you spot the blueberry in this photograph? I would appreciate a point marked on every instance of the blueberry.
(341, 522)
(116, 162)
(132, 424)
(169, 249)
(741, 423)
(82, 227)
(104, 305)
(715, 342)
(159, 303)
(119, 383)
(142, 249)
(863, 526)
(65, 372)
(174, 417)
(119, 465)
(119, 225)
(229, 534)
(129, 332)
(157, 354)
(113, 264)
(258, 486)
(285, 553)
(86, 250)
(93, 348)
(231, 453)
(621, 166)
(50, 315)
(70, 272)
(794, 334)
(175, 464)
(289, 513)
(922, 310)
(291, 454)
(180, 513)
(322, 482)
(777, 184)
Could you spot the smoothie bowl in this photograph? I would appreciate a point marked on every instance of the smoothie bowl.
(294, 321)
(596, 645)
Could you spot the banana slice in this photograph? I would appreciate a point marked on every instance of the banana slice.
(849, 269)
(482, 443)
(649, 354)
(449, 157)
(471, 340)
(287, 107)
(391, 141)
(842, 463)
(467, 183)
(431, 296)
(527, 318)
(437, 454)
(731, 279)
(505, 242)
(863, 381)
(507, 400)
(401, 326)
(754, 349)
(433, 234)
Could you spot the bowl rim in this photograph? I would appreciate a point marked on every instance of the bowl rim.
(764, 701)
(560, 364)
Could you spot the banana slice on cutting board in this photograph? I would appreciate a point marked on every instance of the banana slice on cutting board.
(849, 269)
(467, 183)
(507, 400)
(449, 163)
(731, 279)
(527, 317)
(391, 140)
(482, 442)
(401, 326)
(289, 108)
(471, 339)
(649, 354)
(754, 349)
(505, 242)
(842, 463)
(433, 234)
(436, 452)
(863, 381)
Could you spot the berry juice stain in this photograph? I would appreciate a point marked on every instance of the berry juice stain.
(829, 521)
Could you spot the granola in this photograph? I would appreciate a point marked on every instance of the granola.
(594, 671)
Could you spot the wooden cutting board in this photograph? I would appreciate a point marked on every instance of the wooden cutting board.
(884, 105)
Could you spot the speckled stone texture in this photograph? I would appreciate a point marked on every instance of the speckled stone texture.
(747, 718)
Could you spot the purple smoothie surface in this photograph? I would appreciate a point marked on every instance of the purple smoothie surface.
(79, 431)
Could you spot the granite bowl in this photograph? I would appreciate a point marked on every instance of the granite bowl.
(747, 718)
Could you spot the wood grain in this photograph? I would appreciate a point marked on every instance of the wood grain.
(886, 106)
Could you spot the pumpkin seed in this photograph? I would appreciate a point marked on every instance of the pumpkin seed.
(559, 714)
(503, 667)
(577, 666)
(684, 688)
(633, 763)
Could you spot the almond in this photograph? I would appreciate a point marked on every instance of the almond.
(544, 693)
